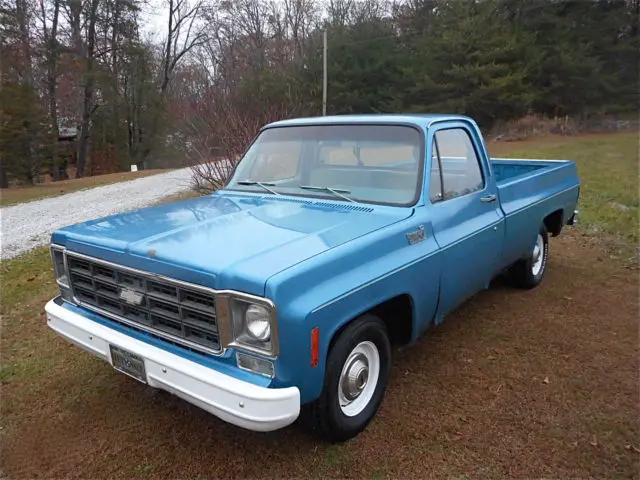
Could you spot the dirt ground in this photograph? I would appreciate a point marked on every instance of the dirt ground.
(540, 383)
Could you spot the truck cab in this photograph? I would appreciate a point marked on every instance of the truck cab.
(334, 239)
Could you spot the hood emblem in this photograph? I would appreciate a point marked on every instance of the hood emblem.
(417, 236)
(131, 296)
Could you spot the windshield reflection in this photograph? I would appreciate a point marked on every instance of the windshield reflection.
(378, 164)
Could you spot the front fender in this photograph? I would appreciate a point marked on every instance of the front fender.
(338, 286)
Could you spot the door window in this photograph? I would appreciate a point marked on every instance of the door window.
(455, 167)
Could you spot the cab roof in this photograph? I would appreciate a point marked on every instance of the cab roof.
(422, 120)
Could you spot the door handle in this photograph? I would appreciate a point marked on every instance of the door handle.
(489, 198)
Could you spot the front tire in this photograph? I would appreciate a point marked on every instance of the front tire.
(528, 272)
(356, 378)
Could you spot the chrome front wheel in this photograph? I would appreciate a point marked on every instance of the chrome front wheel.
(358, 378)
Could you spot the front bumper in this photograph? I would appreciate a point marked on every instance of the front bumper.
(235, 401)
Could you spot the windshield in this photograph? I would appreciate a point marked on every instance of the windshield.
(360, 163)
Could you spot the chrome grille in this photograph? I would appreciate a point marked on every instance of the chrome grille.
(173, 310)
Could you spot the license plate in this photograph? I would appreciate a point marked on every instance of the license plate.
(129, 363)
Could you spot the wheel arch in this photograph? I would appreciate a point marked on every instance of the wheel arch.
(399, 328)
(554, 222)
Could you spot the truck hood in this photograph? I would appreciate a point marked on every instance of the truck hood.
(226, 240)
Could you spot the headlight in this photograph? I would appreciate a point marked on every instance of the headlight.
(253, 325)
(257, 318)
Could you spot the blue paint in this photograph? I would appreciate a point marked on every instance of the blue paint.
(324, 261)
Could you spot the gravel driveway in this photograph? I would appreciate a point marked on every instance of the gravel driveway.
(28, 225)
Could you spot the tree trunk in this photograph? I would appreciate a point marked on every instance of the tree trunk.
(51, 41)
(116, 81)
(88, 91)
(75, 23)
(25, 45)
(4, 182)
(167, 53)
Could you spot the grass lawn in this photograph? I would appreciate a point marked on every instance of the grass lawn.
(514, 384)
(608, 169)
(11, 196)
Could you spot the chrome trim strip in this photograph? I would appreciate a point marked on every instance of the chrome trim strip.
(225, 297)
(140, 272)
(159, 333)
(57, 248)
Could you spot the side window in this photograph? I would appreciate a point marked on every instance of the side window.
(461, 172)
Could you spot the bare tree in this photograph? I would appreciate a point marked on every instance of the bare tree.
(51, 57)
(89, 79)
(183, 34)
(221, 130)
(4, 181)
(73, 10)
(23, 19)
(301, 17)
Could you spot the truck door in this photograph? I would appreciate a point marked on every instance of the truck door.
(467, 220)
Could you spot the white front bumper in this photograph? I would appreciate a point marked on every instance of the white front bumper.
(235, 401)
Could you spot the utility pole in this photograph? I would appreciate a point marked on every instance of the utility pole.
(324, 73)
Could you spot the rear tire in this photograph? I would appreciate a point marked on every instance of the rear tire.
(356, 377)
(529, 272)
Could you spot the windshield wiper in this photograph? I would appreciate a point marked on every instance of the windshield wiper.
(336, 191)
(260, 184)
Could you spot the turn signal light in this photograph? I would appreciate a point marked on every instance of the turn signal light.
(315, 346)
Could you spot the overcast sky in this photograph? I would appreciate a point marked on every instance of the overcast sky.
(154, 19)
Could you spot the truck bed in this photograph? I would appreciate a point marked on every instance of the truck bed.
(532, 189)
(523, 182)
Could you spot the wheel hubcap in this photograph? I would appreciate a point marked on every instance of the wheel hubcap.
(538, 256)
(358, 378)
(536, 253)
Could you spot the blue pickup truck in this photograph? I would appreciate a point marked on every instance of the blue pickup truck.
(334, 239)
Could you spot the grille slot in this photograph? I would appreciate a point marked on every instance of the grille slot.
(173, 311)
(197, 301)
